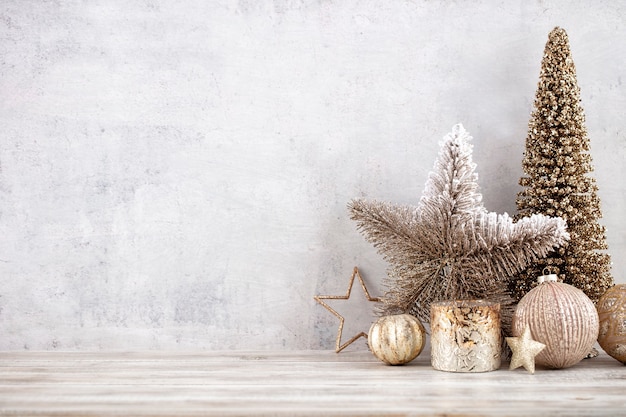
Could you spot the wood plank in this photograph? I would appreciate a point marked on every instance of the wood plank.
(293, 383)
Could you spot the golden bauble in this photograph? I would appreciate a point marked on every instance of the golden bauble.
(612, 314)
(563, 318)
(397, 339)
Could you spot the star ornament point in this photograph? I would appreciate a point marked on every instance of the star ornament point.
(524, 350)
(319, 298)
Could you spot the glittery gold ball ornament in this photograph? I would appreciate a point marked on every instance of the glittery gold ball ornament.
(396, 339)
(560, 316)
(612, 314)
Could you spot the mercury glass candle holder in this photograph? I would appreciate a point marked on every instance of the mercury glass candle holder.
(465, 336)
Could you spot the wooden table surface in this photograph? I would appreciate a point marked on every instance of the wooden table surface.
(294, 383)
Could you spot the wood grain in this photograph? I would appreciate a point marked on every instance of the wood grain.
(295, 384)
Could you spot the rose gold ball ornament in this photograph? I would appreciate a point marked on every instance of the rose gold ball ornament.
(612, 313)
(560, 316)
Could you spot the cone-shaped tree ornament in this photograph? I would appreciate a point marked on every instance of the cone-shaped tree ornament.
(449, 247)
(557, 162)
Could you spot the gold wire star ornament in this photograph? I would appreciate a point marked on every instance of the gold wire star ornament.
(338, 345)
(524, 350)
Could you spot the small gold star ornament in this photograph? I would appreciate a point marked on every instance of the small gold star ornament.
(524, 350)
(338, 345)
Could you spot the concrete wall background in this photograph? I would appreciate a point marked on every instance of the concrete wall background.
(174, 175)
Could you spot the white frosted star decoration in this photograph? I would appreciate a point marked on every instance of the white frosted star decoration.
(449, 246)
(524, 350)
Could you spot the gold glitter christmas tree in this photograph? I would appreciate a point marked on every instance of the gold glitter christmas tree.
(557, 162)
(448, 246)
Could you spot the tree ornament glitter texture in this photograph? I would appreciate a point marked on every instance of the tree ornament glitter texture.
(557, 163)
(449, 247)
(560, 316)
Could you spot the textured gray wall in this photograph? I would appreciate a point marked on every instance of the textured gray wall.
(176, 174)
